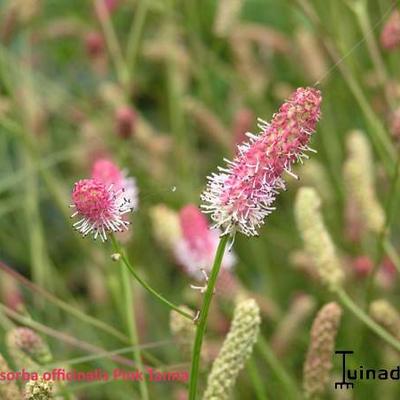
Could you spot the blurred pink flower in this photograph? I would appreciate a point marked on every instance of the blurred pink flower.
(362, 266)
(241, 195)
(125, 121)
(390, 36)
(395, 124)
(196, 249)
(107, 172)
(94, 44)
(99, 207)
(111, 5)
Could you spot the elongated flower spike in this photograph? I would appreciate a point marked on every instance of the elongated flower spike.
(100, 208)
(318, 363)
(235, 351)
(241, 195)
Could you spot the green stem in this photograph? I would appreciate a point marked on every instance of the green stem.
(362, 316)
(112, 43)
(277, 368)
(360, 10)
(201, 327)
(256, 380)
(63, 305)
(132, 329)
(160, 297)
(135, 36)
(383, 243)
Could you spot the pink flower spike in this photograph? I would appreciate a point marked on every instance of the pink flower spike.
(99, 207)
(241, 195)
(106, 171)
(196, 249)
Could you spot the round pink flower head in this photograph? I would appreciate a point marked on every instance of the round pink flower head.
(390, 36)
(241, 195)
(99, 207)
(106, 171)
(196, 248)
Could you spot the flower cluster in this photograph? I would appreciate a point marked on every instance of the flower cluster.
(102, 201)
(241, 195)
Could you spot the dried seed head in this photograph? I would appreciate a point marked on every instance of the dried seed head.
(235, 351)
(318, 363)
(317, 241)
(359, 178)
(386, 315)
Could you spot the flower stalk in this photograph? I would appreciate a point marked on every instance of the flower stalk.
(202, 323)
(121, 254)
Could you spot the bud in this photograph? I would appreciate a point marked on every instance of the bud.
(39, 390)
(390, 36)
(8, 388)
(317, 241)
(359, 179)
(386, 315)
(318, 363)
(27, 348)
(362, 266)
(125, 121)
(94, 44)
(235, 351)
(183, 330)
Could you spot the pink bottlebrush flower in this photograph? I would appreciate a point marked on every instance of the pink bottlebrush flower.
(99, 207)
(125, 121)
(241, 195)
(197, 246)
(107, 172)
(390, 36)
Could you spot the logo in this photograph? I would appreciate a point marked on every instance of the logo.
(349, 376)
